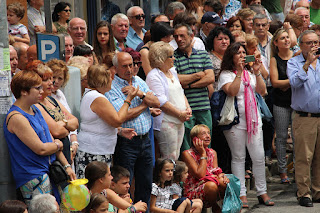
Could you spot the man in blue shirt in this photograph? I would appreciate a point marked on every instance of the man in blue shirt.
(136, 30)
(135, 154)
(303, 73)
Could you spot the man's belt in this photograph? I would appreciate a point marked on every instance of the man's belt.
(145, 136)
(308, 114)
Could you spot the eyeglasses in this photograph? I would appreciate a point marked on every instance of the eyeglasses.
(138, 63)
(138, 17)
(310, 42)
(261, 25)
(82, 29)
(38, 88)
(67, 10)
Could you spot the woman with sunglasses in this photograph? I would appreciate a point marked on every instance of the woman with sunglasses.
(136, 57)
(58, 118)
(163, 80)
(61, 15)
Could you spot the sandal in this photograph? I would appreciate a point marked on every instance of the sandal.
(267, 202)
(285, 180)
(248, 174)
(245, 205)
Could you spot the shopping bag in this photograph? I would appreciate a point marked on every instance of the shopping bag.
(232, 202)
(228, 112)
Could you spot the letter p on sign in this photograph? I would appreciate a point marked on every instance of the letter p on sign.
(47, 48)
(50, 47)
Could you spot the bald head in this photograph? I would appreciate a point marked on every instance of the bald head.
(78, 30)
(32, 53)
(13, 59)
(124, 64)
(303, 3)
(21, 49)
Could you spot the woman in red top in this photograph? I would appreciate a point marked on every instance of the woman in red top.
(206, 180)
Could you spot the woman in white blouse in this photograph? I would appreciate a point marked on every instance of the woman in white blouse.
(163, 81)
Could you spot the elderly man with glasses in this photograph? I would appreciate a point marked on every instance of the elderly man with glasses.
(303, 73)
(78, 31)
(136, 30)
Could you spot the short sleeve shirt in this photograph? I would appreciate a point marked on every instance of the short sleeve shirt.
(17, 30)
(164, 198)
(198, 61)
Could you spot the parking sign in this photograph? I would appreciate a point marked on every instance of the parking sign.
(50, 46)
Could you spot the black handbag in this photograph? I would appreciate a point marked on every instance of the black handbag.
(57, 173)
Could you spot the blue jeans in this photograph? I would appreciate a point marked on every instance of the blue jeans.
(136, 156)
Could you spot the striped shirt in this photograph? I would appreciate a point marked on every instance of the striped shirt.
(140, 124)
(35, 18)
(198, 61)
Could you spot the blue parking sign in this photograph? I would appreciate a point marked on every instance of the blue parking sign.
(50, 46)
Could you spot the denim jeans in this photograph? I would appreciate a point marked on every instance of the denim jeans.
(136, 156)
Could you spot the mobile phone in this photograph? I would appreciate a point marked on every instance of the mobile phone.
(194, 139)
(249, 58)
(318, 51)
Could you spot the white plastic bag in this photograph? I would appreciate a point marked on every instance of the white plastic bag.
(228, 112)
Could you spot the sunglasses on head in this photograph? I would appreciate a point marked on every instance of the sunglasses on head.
(140, 16)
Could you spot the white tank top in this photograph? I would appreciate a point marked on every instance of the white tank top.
(96, 136)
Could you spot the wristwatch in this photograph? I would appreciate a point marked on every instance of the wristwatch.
(143, 96)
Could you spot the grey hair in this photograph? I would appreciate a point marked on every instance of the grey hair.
(130, 10)
(115, 60)
(184, 25)
(117, 16)
(43, 203)
(300, 8)
(260, 16)
(174, 6)
(307, 32)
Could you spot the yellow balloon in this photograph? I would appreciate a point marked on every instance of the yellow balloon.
(76, 197)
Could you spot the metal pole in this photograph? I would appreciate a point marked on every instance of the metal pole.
(47, 13)
(7, 184)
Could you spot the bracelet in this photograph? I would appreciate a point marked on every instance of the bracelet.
(128, 102)
(120, 131)
(75, 143)
(66, 166)
(132, 209)
(258, 74)
(203, 158)
(58, 145)
(238, 76)
(189, 86)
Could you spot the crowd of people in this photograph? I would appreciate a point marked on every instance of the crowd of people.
(146, 139)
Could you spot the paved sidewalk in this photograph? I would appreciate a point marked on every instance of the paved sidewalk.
(284, 197)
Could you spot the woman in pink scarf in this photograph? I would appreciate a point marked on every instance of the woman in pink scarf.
(238, 79)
